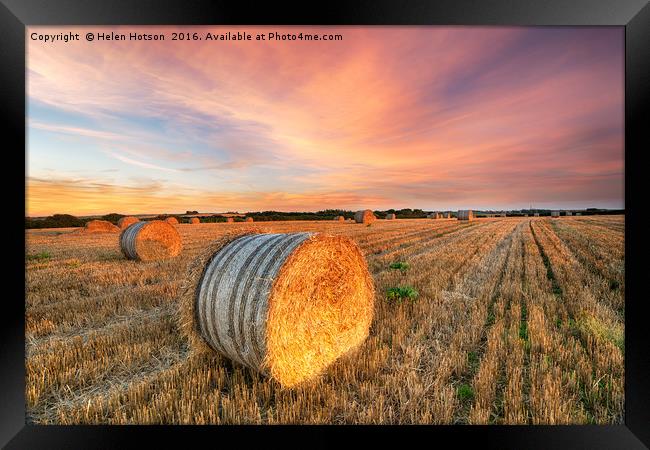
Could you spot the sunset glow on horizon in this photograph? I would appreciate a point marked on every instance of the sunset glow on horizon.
(436, 118)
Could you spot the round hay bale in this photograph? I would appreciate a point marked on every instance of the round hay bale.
(391, 216)
(149, 241)
(230, 220)
(365, 216)
(339, 219)
(249, 219)
(465, 214)
(100, 226)
(285, 305)
(195, 220)
(124, 222)
(172, 220)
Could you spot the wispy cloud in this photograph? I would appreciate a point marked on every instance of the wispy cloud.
(138, 163)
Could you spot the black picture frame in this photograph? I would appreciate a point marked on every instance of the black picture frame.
(634, 15)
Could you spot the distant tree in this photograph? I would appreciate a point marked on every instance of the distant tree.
(55, 221)
(113, 217)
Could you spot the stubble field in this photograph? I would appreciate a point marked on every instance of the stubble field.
(518, 321)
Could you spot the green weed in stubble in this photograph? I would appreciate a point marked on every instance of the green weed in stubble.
(42, 256)
(401, 266)
(402, 292)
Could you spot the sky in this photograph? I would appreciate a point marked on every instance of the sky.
(436, 118)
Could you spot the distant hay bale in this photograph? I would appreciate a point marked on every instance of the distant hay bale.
(100, 226)
(391, 217)
(568, 213)
(171, 220)
(149, 241)
(195, 220)
(124, 222)
(285, 305)
(578, 214)
(339, 219)
(249, 219)
(434, 215)
(555, 213)
(465, 214)
(502, 214)
(447, 215)
(365, 216)
(230, 220)
(536, 215)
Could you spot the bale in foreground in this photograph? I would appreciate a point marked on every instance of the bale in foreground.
(195, 220)
(100, 226)
(365, 216)
(149, 241)
(124, 222)
(286, 305)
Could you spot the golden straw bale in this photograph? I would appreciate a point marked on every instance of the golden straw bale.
(149, 241)
(124, 222)
(195, 220)
(465, 214)
(100, 226)
(364, 216)
(286, 305)
(172, 220)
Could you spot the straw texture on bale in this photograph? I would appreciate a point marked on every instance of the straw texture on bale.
(249, 219)
(286, 305)
(124, 222)
(149, 241)
(390, 217)
(172, 220)
(364, 216)
(100, 226)
(465, 214)
(195, 220)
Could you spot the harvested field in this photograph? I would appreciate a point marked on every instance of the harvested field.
(517, 321)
